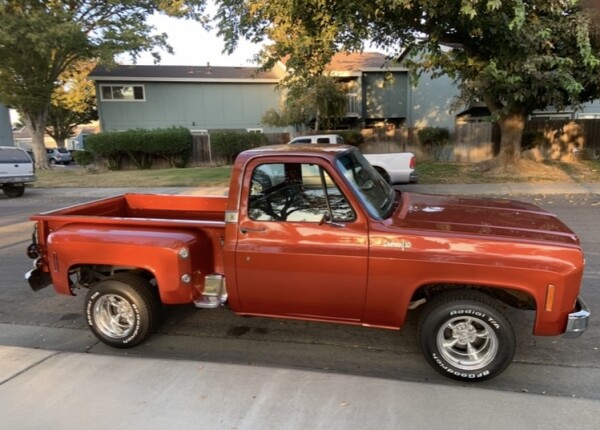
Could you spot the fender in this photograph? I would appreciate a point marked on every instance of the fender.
(159, 251)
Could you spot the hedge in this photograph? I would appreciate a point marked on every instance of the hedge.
(142, 146)
(228, 144)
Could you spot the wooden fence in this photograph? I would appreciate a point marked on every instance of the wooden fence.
(471, 142)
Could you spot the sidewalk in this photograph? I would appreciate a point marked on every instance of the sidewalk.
(50, 390)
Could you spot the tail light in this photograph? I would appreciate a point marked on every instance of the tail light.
(413, 162)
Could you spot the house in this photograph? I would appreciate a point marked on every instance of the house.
(381, 94)
(198, 98)
(211, 98)
(23, 139)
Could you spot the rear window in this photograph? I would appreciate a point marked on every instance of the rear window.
(13, 155)
(63, 150)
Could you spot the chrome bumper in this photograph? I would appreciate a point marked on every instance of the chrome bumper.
(577, 321)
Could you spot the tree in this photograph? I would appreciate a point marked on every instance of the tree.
(516, 56)
(39, 41)
(73, 103)
(321, 100)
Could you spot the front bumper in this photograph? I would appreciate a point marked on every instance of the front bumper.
(577, 321)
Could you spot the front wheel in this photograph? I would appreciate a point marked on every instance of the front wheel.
(464, 335)
(122, 310)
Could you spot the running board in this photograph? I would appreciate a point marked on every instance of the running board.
(215, 293)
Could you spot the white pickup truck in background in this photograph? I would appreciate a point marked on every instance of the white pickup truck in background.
(16, 170)
(395, 168)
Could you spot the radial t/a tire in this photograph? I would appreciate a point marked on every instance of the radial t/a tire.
(465, 335)
(122, 310)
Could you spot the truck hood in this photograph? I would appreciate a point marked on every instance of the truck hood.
(481, 216)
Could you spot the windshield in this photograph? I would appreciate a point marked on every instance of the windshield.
(376, 195)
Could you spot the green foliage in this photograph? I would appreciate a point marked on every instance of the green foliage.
(228, 144)
(430, 136)
(351, 137)
(73, 103)
(435, 141)
(83, 158)
(321, 100)
(40, 40)
(142, 146)
(515, 56)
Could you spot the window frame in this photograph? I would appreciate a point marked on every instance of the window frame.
(133, 86)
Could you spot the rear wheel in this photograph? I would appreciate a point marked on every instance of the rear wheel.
(12, 191)
(464, 335)
(122, 311)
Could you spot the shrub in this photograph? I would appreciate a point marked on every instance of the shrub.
(228, 144)
(83, 158)
(432, 136)
(143, 146)
(351, 137)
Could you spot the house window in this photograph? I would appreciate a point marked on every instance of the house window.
(352, 104)
(254, 130)
(126, 93)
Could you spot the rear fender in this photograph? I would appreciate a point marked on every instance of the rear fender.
(179, 260)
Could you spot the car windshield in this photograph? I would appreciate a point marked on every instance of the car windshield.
(376, 195)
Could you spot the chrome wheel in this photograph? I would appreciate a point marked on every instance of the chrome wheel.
(467, 343)
(114, 316)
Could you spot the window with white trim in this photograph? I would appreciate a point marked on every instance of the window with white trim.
(254, 130)
(123, 93)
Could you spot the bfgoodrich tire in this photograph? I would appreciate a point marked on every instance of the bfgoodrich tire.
(464, 335)
(122, 311)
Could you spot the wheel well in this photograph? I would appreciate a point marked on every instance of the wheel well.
(509, 296)
(87, 275)
(383, 173)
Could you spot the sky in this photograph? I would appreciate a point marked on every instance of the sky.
(195, 46)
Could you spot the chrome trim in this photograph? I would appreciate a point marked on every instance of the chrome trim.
(214, 294)
(577, 321)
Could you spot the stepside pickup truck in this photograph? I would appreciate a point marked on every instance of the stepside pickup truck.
(325, 239)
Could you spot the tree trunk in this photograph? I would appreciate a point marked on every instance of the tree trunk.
(511, 129)
(36, 125)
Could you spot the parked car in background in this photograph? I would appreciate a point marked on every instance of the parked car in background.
(395, 168)
(59, 156)
(16, 170)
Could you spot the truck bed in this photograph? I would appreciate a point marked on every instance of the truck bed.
(208, 211)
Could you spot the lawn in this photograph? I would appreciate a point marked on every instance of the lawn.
(429, 173)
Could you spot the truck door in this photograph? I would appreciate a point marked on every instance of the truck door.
(302, 249)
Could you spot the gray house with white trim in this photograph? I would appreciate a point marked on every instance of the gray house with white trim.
(198, 98)
(205, 98)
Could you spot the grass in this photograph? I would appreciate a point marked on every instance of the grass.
(429, 173)
(189, 177)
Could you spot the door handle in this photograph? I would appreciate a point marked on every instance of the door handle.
(245, 230)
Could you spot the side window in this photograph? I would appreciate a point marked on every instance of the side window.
(301, 140)
(323, 140)
(295, 192)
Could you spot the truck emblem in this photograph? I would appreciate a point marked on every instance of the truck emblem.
(403, 244)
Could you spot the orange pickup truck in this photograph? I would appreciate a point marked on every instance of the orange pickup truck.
(313, 232)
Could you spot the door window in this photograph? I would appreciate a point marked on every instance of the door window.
(296, 192)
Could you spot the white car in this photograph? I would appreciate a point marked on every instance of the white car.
(395, 168)
(16, 170)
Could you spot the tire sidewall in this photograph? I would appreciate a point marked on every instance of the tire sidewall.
(439, 316)
(140, 329)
